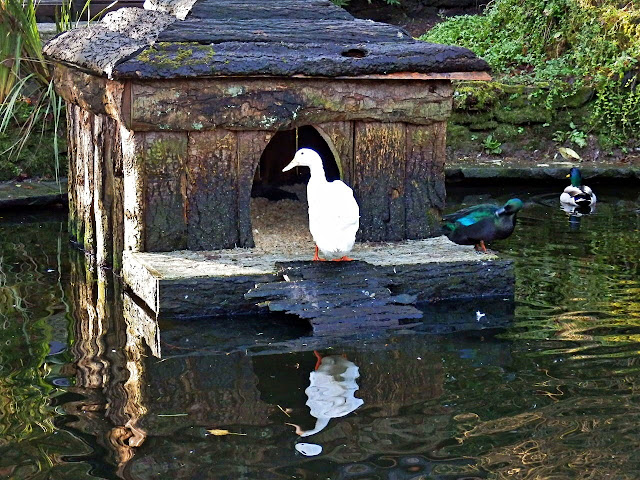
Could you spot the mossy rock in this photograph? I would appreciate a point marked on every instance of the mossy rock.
(518, 96)
(524, 115)
(476, 96)
(581, 97)
(506, 132)
(469, 118)
(483, 126)
(460, 137)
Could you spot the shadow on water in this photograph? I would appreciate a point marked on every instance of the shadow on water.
(543, 387)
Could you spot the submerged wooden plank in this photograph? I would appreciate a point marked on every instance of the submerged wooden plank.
(204, 283)
(348, 295)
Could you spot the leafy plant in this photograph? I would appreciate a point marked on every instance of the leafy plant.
(574, 135)
(21, 47)
(564, 45)
(28, 102)
(491, 145)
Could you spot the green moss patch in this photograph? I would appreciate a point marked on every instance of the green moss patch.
(568, 53)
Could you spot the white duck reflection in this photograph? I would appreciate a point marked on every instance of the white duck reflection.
(331, 392)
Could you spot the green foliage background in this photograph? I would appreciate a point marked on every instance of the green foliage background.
(563, 45)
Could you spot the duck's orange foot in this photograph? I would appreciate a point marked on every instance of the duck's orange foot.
(480, 247)
(343, 259)
(317, 258)
(318, 359)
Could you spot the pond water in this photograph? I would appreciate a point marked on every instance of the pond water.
(546, 386)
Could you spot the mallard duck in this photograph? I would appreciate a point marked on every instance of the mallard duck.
(482, 223)
(334, 215)
(576, 194)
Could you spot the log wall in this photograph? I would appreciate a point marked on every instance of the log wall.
(162, 166)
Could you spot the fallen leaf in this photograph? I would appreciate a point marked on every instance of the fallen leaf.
(219, 432)
(568, 153)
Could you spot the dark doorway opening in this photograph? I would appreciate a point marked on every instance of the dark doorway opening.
(269, 177)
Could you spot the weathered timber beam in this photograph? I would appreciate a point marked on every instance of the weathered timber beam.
(90, 92)
(215, 282)
(424, 187)
(378, 183)
(312, 59)
(282, 9)
(274, 104)
(208, 31)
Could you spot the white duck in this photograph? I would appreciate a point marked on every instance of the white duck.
(576, 194)
(331, 391)
(334, 215)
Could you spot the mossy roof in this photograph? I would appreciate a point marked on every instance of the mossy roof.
(208, 38)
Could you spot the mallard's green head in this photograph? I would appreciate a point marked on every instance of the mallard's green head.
(513, 206)
(575, 176)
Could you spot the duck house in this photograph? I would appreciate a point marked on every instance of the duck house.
(179, 111)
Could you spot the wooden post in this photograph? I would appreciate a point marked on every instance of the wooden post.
(164, 204)
(339, 136)
(379, 179)
(133, 188)
(212, 178)
(250, 147)
(424, 181)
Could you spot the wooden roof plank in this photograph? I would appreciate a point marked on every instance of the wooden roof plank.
(268, 9)
(137, 43)
(169, 60)
(208, 31)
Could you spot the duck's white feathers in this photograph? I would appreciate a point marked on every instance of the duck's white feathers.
(578, 196)
(334, 216)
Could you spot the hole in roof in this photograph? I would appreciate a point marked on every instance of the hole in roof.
(355, 53)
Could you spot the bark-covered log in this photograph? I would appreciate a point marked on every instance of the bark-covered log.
(95, 186)
(212, 178)
(224, 38)
(250, 146)
(263, 104)
(133, 189)
(98, 47)
(91, 92)
(379, 180)
(213, 31)
(424, 193)
(285, 59)
(164, 205)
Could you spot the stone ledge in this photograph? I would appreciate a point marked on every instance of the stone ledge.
(31, 193)
(512, 170)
